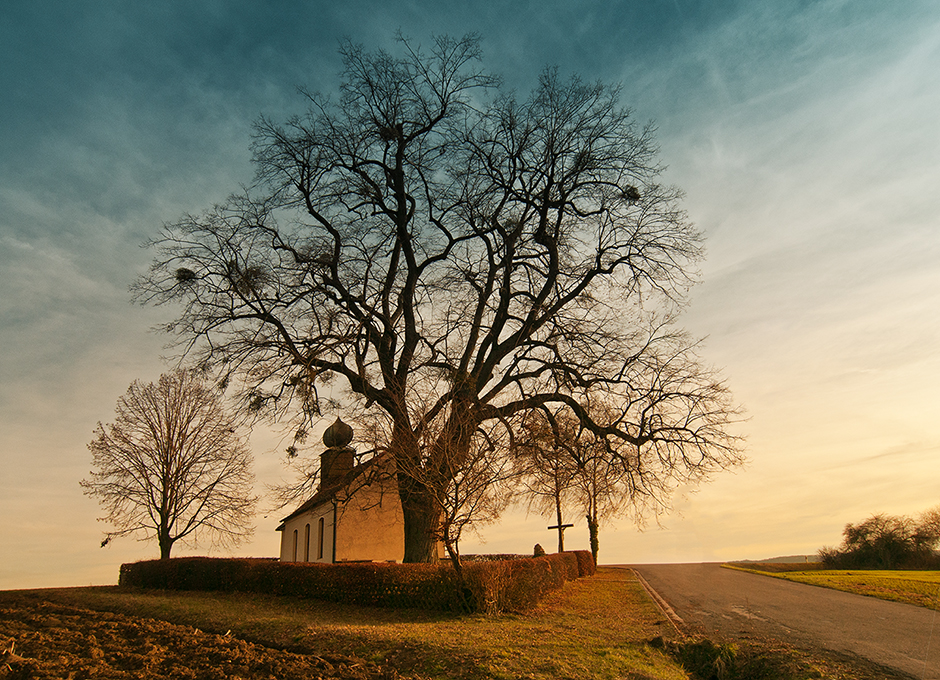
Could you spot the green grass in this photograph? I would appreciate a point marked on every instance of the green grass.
(921, 588)
(596, 628)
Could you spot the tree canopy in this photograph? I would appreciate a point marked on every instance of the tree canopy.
(444, 258)
(887, 542)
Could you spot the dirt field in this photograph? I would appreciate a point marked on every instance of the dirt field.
(44, 640)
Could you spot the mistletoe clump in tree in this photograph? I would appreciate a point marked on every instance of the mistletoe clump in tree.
(454, 258)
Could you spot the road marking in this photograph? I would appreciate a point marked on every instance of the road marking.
(746, 613)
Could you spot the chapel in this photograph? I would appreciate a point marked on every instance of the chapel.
(355, 515)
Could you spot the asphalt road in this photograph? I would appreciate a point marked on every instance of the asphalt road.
(712, 599)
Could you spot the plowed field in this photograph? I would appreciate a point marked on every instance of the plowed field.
(46, 640)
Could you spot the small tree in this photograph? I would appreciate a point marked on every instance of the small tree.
(172, 466)
(597, 485)
(473, 495)
(547, 466)
(469, 488)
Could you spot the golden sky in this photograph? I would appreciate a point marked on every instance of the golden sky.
(807, 139)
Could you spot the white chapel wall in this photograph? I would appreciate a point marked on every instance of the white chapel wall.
(301, 537)
(371, 525)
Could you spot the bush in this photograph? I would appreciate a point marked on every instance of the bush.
(886, 542)
(423, 586)
(586, 565)
(749, 660)
(506, 585)
(517, 585)
(706, 659)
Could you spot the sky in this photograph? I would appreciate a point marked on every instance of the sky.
(805, 135)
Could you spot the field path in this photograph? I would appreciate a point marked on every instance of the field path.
(708, 598)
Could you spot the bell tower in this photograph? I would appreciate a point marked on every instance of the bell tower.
(339, 457)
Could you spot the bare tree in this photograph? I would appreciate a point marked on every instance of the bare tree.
(610, 478)
(547, 467)
(599, 486)
(564, 466)
(454, 262)
(172, 466)
(475, 493)
(469, 490)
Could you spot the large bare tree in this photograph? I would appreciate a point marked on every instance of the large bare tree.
(172, 466)
(453, 257)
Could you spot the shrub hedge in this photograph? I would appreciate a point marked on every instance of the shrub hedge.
(505, 585)
(586, 566)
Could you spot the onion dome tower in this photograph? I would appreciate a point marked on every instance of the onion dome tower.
(339, 458)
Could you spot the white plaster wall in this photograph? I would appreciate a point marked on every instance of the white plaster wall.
(371, 525)
(298, 524)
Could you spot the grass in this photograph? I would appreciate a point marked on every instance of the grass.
(596, 628)
(921, 588)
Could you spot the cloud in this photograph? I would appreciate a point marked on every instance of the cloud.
(805, 136)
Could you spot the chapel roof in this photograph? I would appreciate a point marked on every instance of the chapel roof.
(329, 493)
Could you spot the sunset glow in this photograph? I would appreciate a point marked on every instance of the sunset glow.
(807, 142)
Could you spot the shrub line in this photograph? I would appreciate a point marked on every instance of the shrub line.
(488, 587)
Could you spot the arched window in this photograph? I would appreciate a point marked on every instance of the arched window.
(320, 539)
(307, 543)
(294, 551)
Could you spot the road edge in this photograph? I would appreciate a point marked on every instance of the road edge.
(664, 607)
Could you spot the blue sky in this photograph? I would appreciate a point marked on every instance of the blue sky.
(806, 137)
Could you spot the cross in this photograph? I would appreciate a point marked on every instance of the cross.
(561, 535)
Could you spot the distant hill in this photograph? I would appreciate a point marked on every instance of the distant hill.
(786, 559)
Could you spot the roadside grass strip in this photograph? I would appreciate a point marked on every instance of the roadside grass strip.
(920, 588)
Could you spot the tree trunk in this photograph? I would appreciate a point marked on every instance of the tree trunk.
(592, 531)
(468, 601)
(166, 543)
(420, 514)
(421, 522)
(424, 477)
